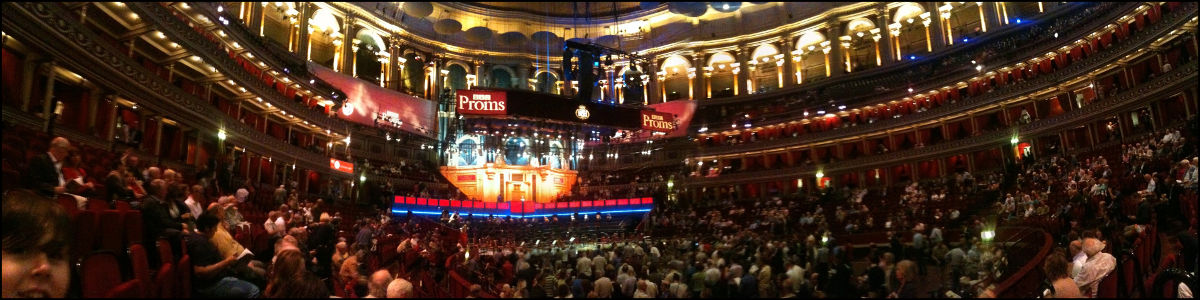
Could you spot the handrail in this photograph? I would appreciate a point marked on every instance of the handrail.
(1009, 91)
(212, 53)
(1028, 270)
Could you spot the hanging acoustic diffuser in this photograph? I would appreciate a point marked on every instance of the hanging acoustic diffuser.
(447, 26)
(479, 34)
(418, 9)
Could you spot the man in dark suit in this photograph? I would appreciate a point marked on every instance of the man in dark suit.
(45, 170)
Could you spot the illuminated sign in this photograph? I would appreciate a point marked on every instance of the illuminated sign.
(341, 166)
(657, 121)
(582, 113)
(476, 102)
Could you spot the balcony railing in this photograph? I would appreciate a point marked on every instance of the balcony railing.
(1010, 91)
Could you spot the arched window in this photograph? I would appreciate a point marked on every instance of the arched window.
(325, 38)
(912, 30)
(675, 85)
(862, 44)
(414, 74)
(812, 56)
(766, 71)
(456, 78)
(721, 80)
(501, 78)
(547, 82)
(366, 62)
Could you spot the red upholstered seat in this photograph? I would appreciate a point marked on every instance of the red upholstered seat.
(97, 204)
(86, 233)
(1108, 287)
(165, 255)
(133, 227)
(164, 281)
(128, 289)
(141, 268)
(111, 225)
(122, 205)
(184, 277)
(100, 276)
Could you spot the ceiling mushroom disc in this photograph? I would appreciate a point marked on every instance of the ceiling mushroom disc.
(512, 38)
(691, 9)
(479, 34)
(447, 26)
(418, 9)
(726, 7)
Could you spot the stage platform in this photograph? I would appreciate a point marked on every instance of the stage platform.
(425, 206)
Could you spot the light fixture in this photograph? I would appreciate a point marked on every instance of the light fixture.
(221, 134)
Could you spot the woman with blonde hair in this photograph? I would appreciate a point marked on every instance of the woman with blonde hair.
(906, 272)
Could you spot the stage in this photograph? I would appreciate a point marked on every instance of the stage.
(425, 206)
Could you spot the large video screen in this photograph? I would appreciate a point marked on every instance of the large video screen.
(366, 101)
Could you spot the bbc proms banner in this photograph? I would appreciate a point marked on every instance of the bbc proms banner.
(482, 102)
(365, 101)
(681, 110)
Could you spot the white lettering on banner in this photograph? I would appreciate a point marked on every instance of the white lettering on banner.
(473, 102)
(657, 123)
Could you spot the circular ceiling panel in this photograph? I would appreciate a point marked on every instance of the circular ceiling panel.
(543, 36)
(512, 38)
(580, 40)
(479, 34)
(418, 9)
(648, 5)
(447, 26)
(726, 6)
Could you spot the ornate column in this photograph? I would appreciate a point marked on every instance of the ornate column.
(47, 69)
(523, 76)
(654, 88)
(934, 25)
(741, 72)
(889, 42)
(305, 36)
(696, 77)
(28, 70)
(838, 55)
(789, 65)
(347, 51)
(987, 13)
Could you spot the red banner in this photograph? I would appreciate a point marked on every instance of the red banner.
(657, 121)
(474, 102)
(341, 166)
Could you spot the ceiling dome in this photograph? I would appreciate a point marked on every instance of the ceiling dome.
(541, 37)
(418, 9)
(512, 38)
(479, 34)
(726, 6)
(447, 26)
(649, 5)
(581, 40)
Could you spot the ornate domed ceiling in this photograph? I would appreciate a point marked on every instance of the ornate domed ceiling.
(631, 26)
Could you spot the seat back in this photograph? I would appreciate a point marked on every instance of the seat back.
(99, 272)
(97, 205)
(165, 281)
(184, 277)
(165, 255)
(122, 206)
(86, 233)
(111, 225)
(1108, 287)
(141, 268)
(133, 227)
(129, 289)
(69, 204)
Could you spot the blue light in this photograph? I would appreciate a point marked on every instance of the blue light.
(912, 57)
(964, 40)
(1018, 21)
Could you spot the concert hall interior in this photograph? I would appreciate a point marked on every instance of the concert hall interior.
(599, 149)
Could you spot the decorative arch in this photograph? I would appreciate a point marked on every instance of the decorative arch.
(766, 71)
(675, 81)
(813, 39)
(812, 57)
(414, 72)
(908, 10)
(547, 81)
(456, 78)
(721, 81)
(502, 77)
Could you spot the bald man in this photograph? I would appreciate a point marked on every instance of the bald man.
(400, 288)
(45, 171)
(378, 286)
(1097, 266)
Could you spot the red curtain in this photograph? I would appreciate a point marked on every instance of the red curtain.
(1055, 106)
